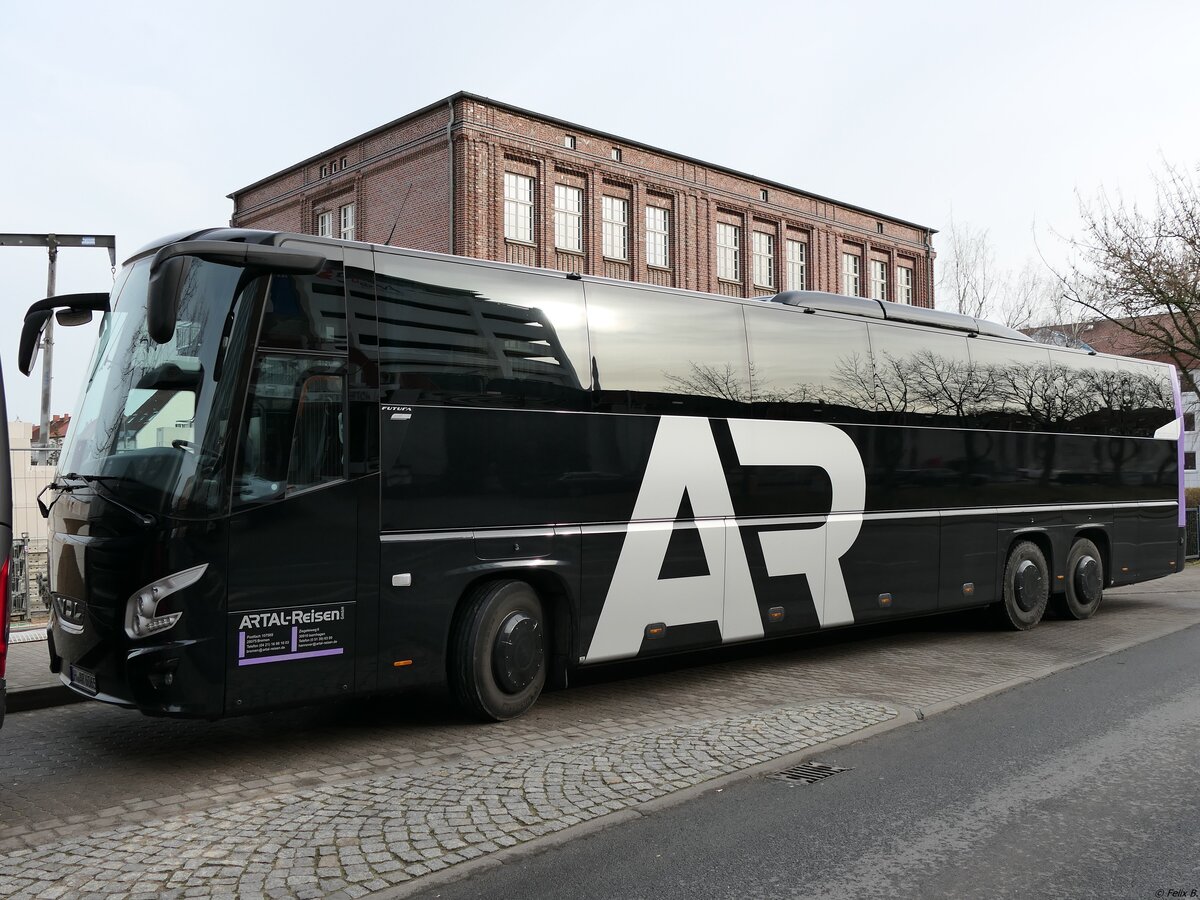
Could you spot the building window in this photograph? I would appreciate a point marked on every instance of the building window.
(1189, 459)
(568, 218)
(344, 160)
(615, 216)
(796, 265)
(347, 221)
(616, 154)
(762, 195)
(851, 274)
(658, 233)
(569, 142)
(324, 171)
(904, 285)
(729, 239)
(879, 227)
(1189, 421)
(764, 259)
(878, 279)
(518, 207)
(333, 167)
(325, 224)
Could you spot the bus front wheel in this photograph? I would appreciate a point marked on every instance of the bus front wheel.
(498, 657)
(1026, 587)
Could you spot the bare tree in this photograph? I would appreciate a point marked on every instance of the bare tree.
(1026, 296)
(972, 284)
(968, 281)
(1140, 269)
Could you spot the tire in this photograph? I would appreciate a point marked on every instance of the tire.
(497, 653)
(1026, 588)
(1085, 580)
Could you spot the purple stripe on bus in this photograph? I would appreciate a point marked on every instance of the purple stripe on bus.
(1177, 393)
(285, 656)
(241, 644)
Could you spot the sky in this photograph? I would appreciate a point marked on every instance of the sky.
(137, 119)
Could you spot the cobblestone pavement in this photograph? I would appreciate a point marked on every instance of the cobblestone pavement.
(362, 835)
(97, 791)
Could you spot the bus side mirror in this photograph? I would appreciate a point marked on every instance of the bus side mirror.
(72, 309)
(31, 339)
(170, 265)
(162, 299)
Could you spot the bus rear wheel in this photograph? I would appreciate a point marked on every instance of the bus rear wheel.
(1026, 587)
(497, 653)
(1085, 580)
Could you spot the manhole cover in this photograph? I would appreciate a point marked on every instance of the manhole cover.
(807, 773)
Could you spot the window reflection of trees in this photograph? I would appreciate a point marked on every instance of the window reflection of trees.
(927, 388)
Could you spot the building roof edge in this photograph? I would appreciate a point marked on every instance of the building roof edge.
(467, 95)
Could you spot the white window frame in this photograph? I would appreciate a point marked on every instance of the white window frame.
(851, 274)
(658, 236)
(518, 207)
(878, 279)
(346, 219)
(325, 224)
(614, 216)
(904, 284)
(797, 265)
(568, 218)
(729, 251)
(763, 248)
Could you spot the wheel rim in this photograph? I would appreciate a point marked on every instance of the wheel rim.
(1087, 580)
(517, 652)
(1027, 584)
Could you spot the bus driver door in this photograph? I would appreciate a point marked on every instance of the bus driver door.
(293, 528)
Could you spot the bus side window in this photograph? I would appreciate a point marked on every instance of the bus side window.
(318, 448)
(293, 436)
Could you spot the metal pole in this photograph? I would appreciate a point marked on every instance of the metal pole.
(25, 569)
(48, 353)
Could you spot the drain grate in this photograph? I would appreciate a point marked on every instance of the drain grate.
(807, 773)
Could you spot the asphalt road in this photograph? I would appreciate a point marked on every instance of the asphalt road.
(1082, 784)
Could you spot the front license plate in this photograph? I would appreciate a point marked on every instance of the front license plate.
(83, 678)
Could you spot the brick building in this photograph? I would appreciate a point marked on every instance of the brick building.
(480, 178)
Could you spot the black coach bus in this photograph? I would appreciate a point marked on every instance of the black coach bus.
(304, 469)
(6, 521)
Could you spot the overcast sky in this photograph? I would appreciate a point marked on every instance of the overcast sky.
(137, 119)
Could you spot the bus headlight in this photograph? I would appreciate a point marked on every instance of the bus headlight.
(141, 610)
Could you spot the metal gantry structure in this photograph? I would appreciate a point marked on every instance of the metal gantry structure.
(52, 242)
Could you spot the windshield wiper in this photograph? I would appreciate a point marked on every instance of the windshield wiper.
(96, 482)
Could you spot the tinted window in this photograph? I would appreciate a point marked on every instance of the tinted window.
(809, 366)
(455, 333)
(1150, 401)
(924, 377)
(1088, 393)
(1017, 384)
(306, 312)
(661, 353)
(293, 436)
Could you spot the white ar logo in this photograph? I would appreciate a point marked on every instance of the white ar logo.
(684, 457)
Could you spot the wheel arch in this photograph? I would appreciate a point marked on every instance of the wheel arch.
(1034, 536)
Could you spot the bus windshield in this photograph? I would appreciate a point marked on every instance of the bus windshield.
(153, 419)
